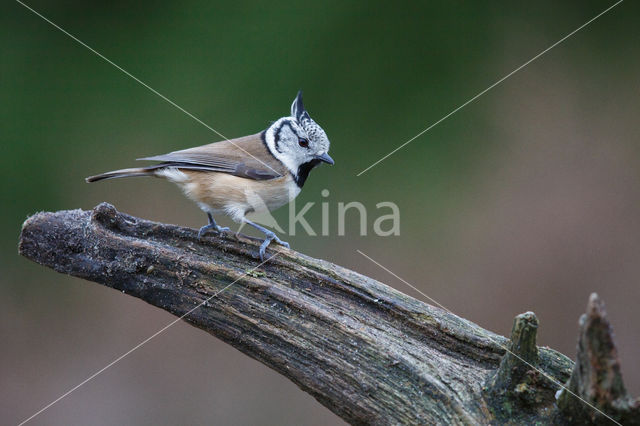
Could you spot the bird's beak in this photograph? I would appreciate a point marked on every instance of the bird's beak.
(325, 158)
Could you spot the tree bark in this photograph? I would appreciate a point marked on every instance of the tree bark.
(364, 350)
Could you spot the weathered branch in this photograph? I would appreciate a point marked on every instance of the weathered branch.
(366, 351)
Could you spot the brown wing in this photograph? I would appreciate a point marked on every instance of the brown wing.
(246, 157)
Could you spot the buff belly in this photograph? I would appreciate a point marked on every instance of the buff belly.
(230, 195)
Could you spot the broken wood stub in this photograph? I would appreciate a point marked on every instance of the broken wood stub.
(596, 377)
(519, 389)
(514, 367)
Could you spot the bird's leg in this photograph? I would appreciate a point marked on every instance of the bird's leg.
(270, 236)
(211, 225)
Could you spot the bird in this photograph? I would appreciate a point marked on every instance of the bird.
(249, 174)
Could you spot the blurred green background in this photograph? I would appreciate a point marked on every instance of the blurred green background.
(527, 199)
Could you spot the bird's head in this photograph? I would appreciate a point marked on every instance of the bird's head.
(298, 141)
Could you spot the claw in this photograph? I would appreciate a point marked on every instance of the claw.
(282, 243)
(211, 225)
(263, 248)
(270, 236)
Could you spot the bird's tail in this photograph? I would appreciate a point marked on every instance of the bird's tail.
(140, 171)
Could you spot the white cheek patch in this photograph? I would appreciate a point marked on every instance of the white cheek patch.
(270, 138)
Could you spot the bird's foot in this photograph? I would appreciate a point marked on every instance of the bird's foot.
(271, 236)
(219, 229)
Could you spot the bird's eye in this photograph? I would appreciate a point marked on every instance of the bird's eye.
(303, 143)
